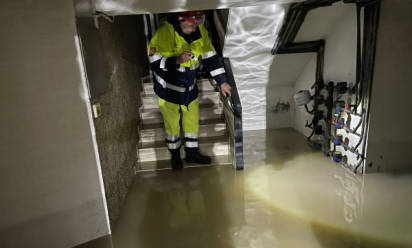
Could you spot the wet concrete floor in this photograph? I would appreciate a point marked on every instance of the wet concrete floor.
(288, 196)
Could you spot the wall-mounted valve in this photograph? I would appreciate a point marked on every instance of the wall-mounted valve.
(340, 123)
(337, 157)
(338, 140)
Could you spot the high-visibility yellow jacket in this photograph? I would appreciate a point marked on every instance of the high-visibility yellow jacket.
(173, 82)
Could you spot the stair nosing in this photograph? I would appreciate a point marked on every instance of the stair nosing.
(201, 147)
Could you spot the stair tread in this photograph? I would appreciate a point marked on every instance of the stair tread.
(202, 141)
(161, 153)
(165, 164)
(201, 122)
(153, 136)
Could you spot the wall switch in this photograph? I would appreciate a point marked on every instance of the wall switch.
(97, 110)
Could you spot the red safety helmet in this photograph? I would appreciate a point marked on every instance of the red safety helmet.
(193, 17)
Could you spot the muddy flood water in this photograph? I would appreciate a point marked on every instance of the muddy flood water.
(288, 196)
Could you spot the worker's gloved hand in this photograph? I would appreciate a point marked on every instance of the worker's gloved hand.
(184, 57)
(226, 89)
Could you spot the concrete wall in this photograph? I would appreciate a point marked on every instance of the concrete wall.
(123, 44)
(390, 135)
(50, 189)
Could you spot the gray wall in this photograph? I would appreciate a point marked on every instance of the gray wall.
(390, 134)
(50, 190)
(124, 52)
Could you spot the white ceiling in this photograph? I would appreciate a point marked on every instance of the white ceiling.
(319, 22)
(128, 7)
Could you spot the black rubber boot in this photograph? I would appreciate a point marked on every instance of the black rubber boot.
(194, 156)
(176, 161)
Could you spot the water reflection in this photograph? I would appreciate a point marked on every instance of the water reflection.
(288, 196)
(351, 192)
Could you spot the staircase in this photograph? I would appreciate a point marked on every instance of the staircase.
(213, 135)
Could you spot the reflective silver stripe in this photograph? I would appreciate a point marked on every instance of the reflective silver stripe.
(217, 72)
(172, 137)
(176, 88)
(191, 135)
(171, 86)
(181, 69)
(163, 63)
(173, 145)
(191, 144)
(155, 58)
(209, 54)
(160, 80)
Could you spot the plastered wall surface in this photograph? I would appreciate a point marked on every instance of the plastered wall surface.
(123, 44)
(249, 40)
(50, 194)
(283, 73)
(390, 135)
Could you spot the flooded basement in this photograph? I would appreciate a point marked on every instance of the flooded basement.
(288, 196)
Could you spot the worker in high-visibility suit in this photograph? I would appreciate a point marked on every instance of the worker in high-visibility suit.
(175, 53)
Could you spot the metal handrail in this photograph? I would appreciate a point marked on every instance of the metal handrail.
(234, 105)
(232, 102)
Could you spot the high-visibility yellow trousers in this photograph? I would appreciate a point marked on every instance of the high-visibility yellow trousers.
(190, 121)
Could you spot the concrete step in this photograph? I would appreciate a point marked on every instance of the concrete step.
(201, 122)
(206, 99)
(202, 84)
(213, 149)
(154, 117)
(155, 136)
(165, 164)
